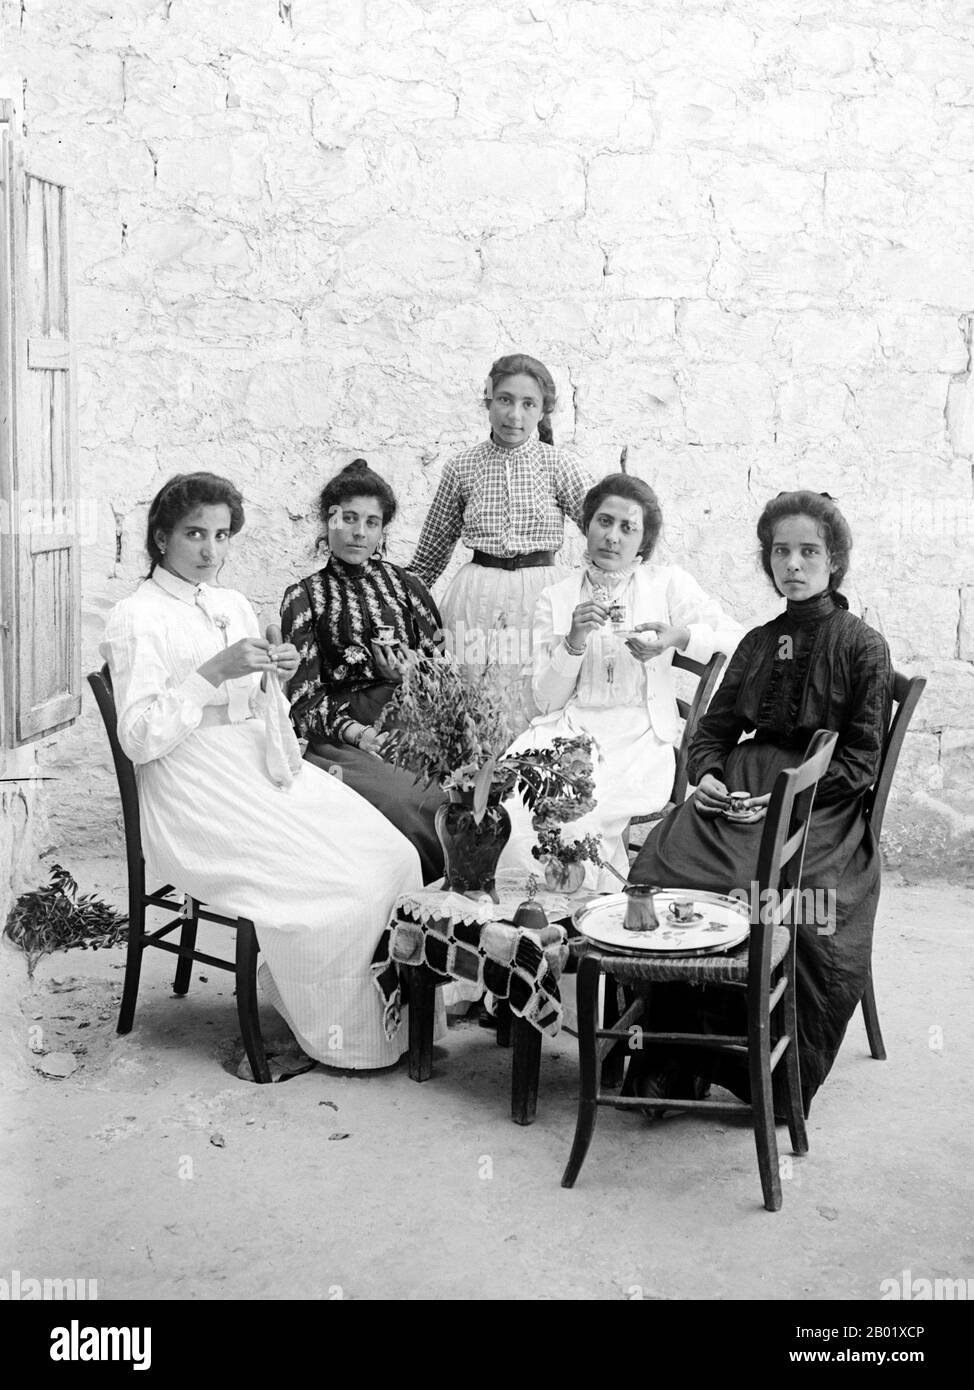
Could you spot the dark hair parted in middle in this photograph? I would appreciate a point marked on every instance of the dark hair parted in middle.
(633, 490)
(823, 511)
(183, 494)
(520, 364)
(356, 479)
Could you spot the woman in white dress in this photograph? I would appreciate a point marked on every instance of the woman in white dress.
(604, 640)
(230, 813)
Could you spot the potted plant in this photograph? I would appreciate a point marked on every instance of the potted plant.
(448, 729)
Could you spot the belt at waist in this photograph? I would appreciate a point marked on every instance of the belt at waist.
(533, 560)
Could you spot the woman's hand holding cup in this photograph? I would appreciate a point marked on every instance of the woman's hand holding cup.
(711, 797)
(587, 618)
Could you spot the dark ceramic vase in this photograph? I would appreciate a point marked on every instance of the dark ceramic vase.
(471, 851)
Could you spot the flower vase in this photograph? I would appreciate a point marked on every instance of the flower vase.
(564, 878)
(471, 850)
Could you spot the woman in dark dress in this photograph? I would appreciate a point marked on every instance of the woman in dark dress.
(350, 622)
(816, 666)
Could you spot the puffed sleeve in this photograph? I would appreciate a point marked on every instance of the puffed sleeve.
(156, 710)
(720, 729)
(311, 711)
(711, 629)
(572, 482)
(441, 529)
(555, 669)
(855, 762)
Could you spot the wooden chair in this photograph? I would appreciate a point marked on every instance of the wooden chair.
(189, 913)
(690, 711)
(906, 694)
(764, 968)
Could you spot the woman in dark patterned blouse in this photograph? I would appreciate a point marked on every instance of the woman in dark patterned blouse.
(816, 666)
(349, 621)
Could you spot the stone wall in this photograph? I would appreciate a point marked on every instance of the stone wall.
(739, 232)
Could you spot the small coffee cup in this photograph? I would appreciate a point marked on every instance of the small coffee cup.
(385, 634)
(682, 909)
(738, 806)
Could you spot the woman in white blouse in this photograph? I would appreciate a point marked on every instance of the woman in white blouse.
(603, 649)
(230, 813)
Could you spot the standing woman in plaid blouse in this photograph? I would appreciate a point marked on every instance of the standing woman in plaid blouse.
(507, 500)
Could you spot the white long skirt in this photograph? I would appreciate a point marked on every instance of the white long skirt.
(315, 867)
(488, 615)
(633, 769)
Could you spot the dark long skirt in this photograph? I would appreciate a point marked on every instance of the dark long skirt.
(409, 806)
(842, 868)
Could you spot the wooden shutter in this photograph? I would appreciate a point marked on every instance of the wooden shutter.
(41, 598)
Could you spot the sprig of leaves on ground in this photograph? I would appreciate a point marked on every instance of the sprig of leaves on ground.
(56, 917)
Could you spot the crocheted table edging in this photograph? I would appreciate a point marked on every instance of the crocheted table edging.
(459, 938)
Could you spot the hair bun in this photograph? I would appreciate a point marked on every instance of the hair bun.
(357, 468)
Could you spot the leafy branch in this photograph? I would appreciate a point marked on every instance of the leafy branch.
(56, 917)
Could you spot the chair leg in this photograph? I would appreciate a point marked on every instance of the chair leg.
(871, 1017)
(505, 1021)
(187, 942)
(614, 1064)
(422, 1009)
(588, 1065)
(247, 1013)
(525, 1072)
(762, 1106)
(793, 1081)
(133, 961)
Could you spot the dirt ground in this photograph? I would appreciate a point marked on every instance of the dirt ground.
(152, 1169)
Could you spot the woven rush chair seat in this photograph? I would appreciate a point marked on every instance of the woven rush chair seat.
(188, 912)
(718, 969)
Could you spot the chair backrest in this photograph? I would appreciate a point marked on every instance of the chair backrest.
(781, 856)
(101, 685)
(707, 674)
(906, 694)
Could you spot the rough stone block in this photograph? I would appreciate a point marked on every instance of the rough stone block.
(934, 276)
(658, 265)
(165, 98)
(948, 700)
(598, 109)
(729, 404)
(459, 184)
(763, 200)
(811, 407)
(399, 258)
(903, 410)
(894, 123)
(787, 272)
(272, 91)
(626, 400)
(960, 416)
(814, 339)
(709, 333)
(965, 631)
(957, 760)
(924, 342)
(643, 323)
(552, 260)
(213, 166)
(626, 191)
(369, 105)
(77, 85)
(866, 199)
